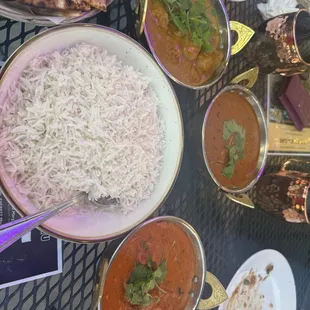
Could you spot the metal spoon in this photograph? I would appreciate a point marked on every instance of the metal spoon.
(11, 232)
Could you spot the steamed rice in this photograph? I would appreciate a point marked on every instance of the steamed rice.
(80, 120)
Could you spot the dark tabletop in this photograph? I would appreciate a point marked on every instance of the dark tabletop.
(230, 233)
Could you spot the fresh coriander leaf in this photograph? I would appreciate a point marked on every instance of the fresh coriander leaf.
(188, 22)
(232, 151)
(164, 270)
(144, 278)
(197, 41)
(158, 274)
(235, 151)
(228, 171)
(230, 127)
(146, 300)
(239, 142)
(206, 36)
(207, 47)
(226, 131)
(133, 294)
(178, 22)
(148, 286)
(184, 4)
(197, 9)
(140, 273)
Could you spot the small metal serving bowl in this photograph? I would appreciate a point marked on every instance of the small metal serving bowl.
(254, 102)
(225, 43)
(195, 302)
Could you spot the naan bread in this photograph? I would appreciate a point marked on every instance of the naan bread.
(78, 5)
(56, 12)
(98, 4)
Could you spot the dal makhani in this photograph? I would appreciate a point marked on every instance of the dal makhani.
(232, 140)
(185, 37)
(154, 269)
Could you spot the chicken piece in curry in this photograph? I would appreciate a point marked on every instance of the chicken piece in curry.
(184, 35)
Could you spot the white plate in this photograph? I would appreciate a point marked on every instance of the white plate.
(96, 226)
(26, 16)
(278, 288)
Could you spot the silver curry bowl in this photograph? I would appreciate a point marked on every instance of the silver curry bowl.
(238, 194)
(225, 41)
(195, 302)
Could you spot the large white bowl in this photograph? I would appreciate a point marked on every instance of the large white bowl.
(99, 226)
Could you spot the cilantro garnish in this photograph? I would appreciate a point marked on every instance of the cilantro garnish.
(235, 134)
(144, 278)
(190, 17)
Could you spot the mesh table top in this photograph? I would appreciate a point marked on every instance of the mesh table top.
(230, 233)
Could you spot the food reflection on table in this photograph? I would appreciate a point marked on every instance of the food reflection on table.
(154, 269)
(232, 140)
(185, 38)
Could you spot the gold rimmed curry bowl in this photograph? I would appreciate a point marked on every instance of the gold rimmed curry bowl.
(162, 264)
(190, 40)
(234, 140)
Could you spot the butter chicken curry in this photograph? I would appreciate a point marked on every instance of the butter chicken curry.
(154, 269)
(185, 38)
(232, 141)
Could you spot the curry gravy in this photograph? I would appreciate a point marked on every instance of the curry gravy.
(176, 51)
(229, 106)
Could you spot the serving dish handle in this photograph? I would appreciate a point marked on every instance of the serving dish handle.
(218, 295)
(245, 34)
(99, 283)
(297, 165)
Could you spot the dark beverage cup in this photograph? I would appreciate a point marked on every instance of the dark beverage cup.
(281, 44)
(284, 194)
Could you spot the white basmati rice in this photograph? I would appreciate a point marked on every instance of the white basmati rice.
(80, 120)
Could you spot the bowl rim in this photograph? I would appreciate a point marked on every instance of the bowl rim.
(263, 140)
(225, 62)
(165, 218)
(3, 186)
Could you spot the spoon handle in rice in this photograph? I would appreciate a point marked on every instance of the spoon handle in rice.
(11, 232)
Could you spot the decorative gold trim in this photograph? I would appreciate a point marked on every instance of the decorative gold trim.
(98, 287)
(242, 199)
(187, 228)
(218, 296)
(227, 51)
(140, 10)
(245, 34)
(251, 76)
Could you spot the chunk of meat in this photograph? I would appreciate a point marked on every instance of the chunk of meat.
(205, 62)
(190, 50)
(173, 52)
(160, 15)
(98, 4)
(58, 4)
(217, 57)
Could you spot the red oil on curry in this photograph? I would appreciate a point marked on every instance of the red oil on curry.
(227, 106)
(152, 240)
